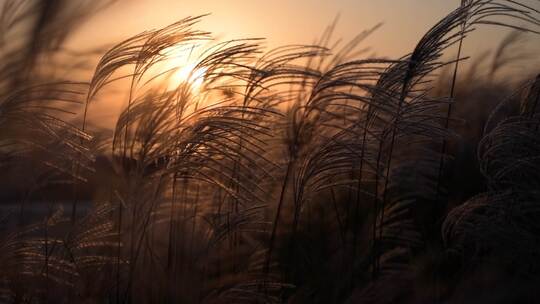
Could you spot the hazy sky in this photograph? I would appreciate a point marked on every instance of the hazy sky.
(287, 21)
(282, 22)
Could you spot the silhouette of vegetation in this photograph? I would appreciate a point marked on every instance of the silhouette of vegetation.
(301, 174)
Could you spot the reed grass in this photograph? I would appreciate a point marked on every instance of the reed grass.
(301, 174)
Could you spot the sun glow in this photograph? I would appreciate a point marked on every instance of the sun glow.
(182, 70)
(188, 73)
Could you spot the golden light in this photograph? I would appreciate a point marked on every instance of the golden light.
(189, 74)
(183, 70)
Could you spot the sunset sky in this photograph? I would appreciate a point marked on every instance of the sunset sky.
(286, 21)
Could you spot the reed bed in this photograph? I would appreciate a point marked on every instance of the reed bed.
(300, 174)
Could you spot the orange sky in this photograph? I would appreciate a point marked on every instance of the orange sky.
(286, 21)
(282, 22)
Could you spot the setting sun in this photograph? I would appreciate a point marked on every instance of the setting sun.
(181, 69)
(190, 74)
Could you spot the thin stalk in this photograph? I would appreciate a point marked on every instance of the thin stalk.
(449, 113)
(375, 244)
(133, 261)
(406, 81)
(172, 225)
(338, 217)
(119, 252)
(183, 219)
(357, 202)
(271, 243)
(194, 224)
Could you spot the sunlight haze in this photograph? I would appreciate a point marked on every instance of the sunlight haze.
(286, 22)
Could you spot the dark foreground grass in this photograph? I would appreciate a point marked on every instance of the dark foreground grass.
(303, 174)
